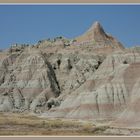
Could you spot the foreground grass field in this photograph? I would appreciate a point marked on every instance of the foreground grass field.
(23, 124)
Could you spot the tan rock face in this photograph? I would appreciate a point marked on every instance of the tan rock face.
(93, 77)
(26, 78)
(96, 38)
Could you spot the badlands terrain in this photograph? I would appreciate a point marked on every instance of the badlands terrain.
(87, 85)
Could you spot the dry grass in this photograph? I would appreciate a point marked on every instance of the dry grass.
(22, 124)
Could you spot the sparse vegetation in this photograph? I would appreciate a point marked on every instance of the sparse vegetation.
(22, 124)
(125, 62)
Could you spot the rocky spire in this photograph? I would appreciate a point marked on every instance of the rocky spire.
(96, 27)
(97, 34)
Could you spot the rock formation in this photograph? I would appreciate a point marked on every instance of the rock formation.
(90, 77)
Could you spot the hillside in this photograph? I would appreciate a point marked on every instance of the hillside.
(92, 77)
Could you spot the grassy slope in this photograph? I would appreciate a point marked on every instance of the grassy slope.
(22, 124)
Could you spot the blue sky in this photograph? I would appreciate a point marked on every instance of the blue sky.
(30, 23)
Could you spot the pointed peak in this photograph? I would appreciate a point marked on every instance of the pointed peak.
(96, 26)
(97, 33)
